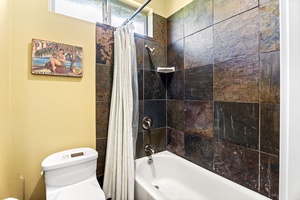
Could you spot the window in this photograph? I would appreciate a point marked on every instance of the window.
(119, 13)
(88, 10)
(110, 12)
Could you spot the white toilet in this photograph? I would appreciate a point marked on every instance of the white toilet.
(71, 175)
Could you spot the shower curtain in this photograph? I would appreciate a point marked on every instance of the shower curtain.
(123, 120)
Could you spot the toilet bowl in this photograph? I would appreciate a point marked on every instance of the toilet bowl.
(71, 175)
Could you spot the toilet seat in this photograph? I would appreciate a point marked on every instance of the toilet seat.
(79, 191)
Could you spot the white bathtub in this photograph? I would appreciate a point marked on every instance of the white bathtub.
(178, 178)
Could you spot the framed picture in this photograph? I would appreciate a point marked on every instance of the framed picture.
(57, 59)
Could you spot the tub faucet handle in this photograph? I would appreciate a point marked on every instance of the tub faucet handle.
(149, 150)
(147, 123)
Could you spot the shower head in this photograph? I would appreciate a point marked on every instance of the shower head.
(152, 50)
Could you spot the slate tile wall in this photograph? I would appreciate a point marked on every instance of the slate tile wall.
(154, 91)
(220, 109)
(151, 85)
(223, 101)
(197, 16)
(104, 78)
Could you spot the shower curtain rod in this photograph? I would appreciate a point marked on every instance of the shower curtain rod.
(136, 12)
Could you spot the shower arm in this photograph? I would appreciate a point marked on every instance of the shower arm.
(152, 50)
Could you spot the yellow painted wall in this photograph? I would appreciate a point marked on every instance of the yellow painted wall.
(174, 5)
(39, 114)
(158, 6)
(48, 114)
(165, 8)
(4, 99)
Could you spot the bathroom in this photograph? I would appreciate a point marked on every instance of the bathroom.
(42, 114)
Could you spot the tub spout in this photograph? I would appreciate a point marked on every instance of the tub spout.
(150, 160)
(149, 150)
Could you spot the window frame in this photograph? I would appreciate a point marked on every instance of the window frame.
(126, 6)
(107, 14)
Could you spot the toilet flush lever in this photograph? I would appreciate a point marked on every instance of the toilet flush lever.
(147, 123)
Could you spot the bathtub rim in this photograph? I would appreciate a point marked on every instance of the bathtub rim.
(166, 153)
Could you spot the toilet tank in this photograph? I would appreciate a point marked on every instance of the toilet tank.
(69, 167)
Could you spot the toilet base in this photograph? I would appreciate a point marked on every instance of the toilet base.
(86, 189)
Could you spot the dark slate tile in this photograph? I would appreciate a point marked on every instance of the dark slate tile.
(100, 180)
(199, 149)
(140, 75)
(237, 123)
(237, 80)
(156, 138)
(140, 145)
(175, 141)
(141, 114)
(224, 9)
(261, 2)
(154, 85)
(175, 85)
(104, 82)
(159, 29)
(159, 59)
(238, 164)
(101, 149)
(104, 44)
(236, 70)
(102, 118)
(175, 26)
(269, 27)
(199, 118)
(175, 55)
(269, 176)
(197, 16)
(237, 37)
(175, 114)
(270, 77)
(140, 46)
(199, 83)
(156, 109)
(269, 128)
(198, 49)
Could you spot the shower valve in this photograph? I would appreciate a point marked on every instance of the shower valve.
(147, 123)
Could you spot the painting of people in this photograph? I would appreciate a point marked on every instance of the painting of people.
(52, 58)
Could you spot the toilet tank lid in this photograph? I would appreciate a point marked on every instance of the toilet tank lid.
(68, 158)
